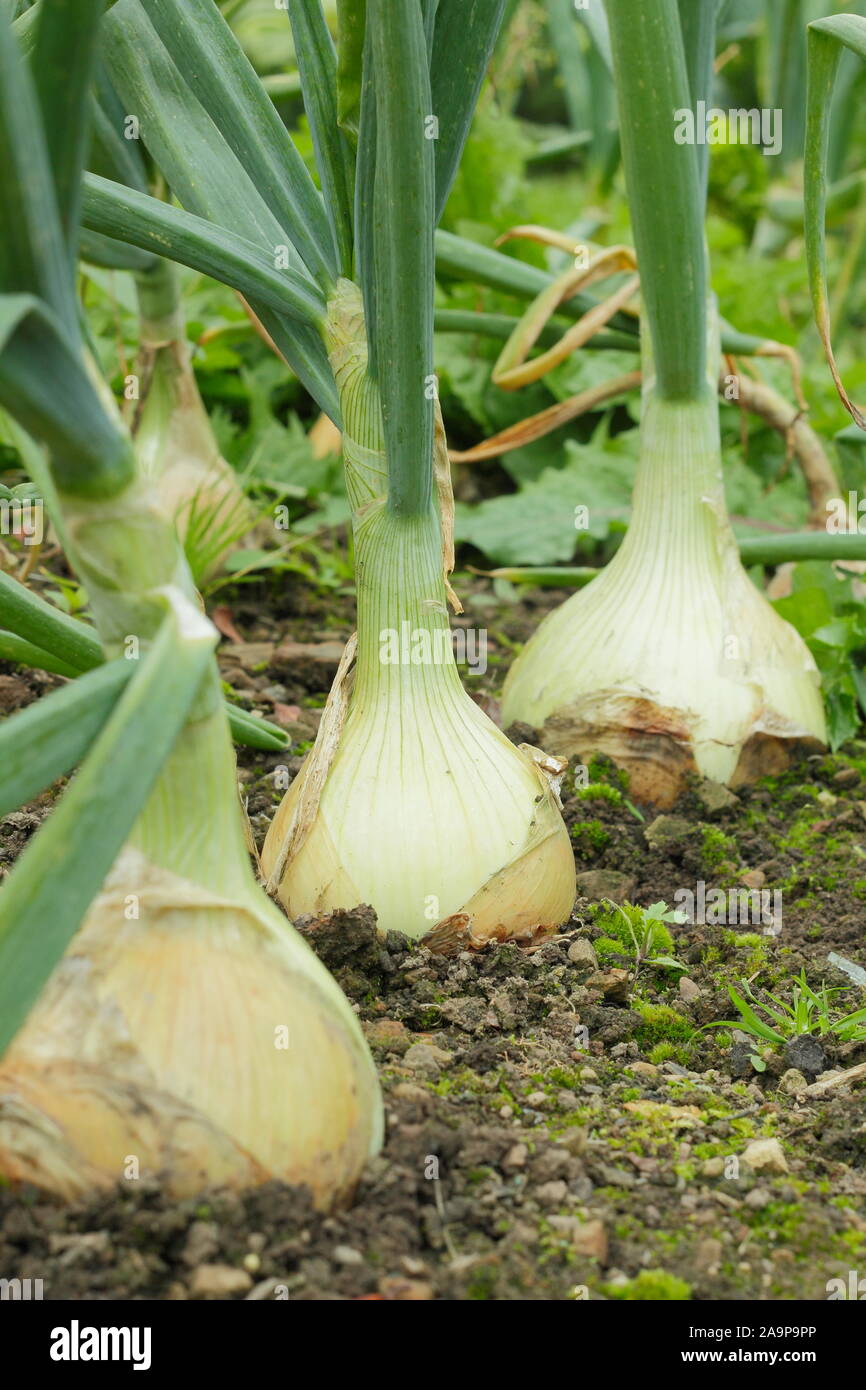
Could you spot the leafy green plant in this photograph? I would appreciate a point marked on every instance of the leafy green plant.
(805, 1011)
(643, 932)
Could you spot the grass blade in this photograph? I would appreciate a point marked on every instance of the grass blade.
(755, 1024)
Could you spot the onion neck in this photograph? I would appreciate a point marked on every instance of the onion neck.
(402, 606)
(191, 825)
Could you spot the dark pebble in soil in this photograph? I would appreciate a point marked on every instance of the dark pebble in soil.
(807, 1055)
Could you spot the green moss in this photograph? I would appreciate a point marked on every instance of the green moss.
(590, 836)
(599, 791)
(717, 848)
(606, 946)
(666, 1052)
(603, 769)
(651, 1286)
(661, 1024)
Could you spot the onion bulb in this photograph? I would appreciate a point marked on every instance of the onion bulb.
(412, 800)
(188, 1035)
(671, 661)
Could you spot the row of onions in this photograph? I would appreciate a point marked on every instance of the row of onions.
(156, 1004)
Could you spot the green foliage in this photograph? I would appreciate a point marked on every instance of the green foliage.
(804, 1010)
(639, 932)
(823, 609)
(651, 1286)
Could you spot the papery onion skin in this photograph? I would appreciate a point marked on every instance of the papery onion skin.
(199, 1045)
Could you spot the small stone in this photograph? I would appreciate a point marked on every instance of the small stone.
(506, 1112)
(713, 1167)
(347, 1255)
(715, 797)
(688, 989)
(516, 1157)
(667, 831)
(582, 952)
(551, 1194)
(574, 1141)
(754, 878)
(426, 1059)
(846, 777)
(202, 1243)
(408, 1091)
(643, 1068)
(405, 1290)
(265, 1289)
(219, 1281)
(708, 1256)
(793, 1082)
(765, 1156)
(606, 883)
(758, 1198)
(613, 984)
(588, 1074)
(590, 1240)
(388, 1033)
(806, 1054)
(252, 1262)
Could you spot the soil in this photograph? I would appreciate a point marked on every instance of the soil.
(560, 1121)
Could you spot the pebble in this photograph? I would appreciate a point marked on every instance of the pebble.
(846, 777)
(426, 1059)
(765, 1156)
(793, 1082)
(551, 1194)
(405, 1290)
(688, 989)
(759, 1197)
(219, 1281)
(538, 1100)
(516, 1157)
(590, 1239)
(715, 797)
(643, 1068)
(582, 952)
(613, 984)
(708, 1255)
(347, 1255)
(202, 1242)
